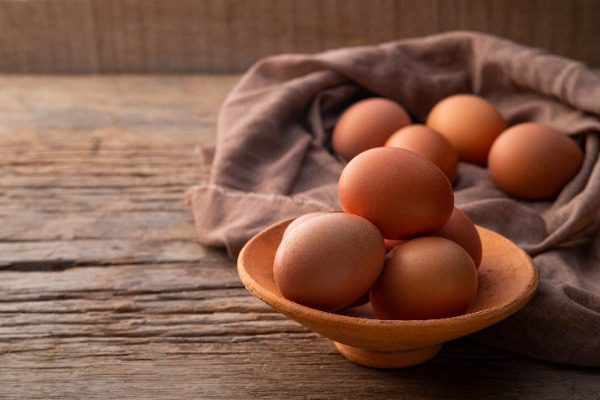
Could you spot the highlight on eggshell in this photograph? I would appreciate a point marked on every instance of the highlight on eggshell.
(367, 124)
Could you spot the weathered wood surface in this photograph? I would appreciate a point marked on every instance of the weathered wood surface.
(104, 292)
(229, 35)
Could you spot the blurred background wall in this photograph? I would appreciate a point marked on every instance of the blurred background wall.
(174, 36)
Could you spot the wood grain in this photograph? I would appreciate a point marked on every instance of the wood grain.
(50, 36)
(104, 292)
(191, 331)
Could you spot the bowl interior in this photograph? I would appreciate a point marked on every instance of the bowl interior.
(507, 281)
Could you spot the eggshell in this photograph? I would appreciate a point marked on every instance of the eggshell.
(430, 144)
(367, 124)
(534, 161)
(329, 261)
(462, 231)
(364, 299)
(425, 278)
(470, 123)
(300, 220)
(402, 193)
(391, 243)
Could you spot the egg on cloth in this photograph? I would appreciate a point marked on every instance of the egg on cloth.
(470, 123)
(367, 124)
(534, 161)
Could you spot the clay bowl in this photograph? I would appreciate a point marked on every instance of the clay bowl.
(507, 281)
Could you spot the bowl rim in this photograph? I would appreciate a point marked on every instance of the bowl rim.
(292, 308)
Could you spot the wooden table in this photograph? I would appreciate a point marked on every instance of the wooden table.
(104, 292)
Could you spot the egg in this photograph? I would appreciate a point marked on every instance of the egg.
(367, 124)
(402, 193)
(300, 220)
(462, 231)
(425, 278)
(364, 299)
(534, 161)
(329, 261)
(470, 123)
(430, 144)
(391, 243)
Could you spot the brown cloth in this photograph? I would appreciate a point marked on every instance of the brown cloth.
(273, 160)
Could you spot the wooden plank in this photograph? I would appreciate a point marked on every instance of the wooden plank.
(228, 36)
(191, 331)
(114, 195)
(104, 292)
(116, 111)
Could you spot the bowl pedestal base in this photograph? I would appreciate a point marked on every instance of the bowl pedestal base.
(388, 359)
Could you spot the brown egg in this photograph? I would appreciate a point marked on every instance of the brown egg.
(462, 231)
(534, 161)
(391, 243)
(367, 124)
(470, 123)
(329, 261)
(364, 299)
(430, 144)
(402, 193)
(425, 278)
(300, 220)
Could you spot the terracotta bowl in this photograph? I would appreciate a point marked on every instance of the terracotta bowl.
(507, 281)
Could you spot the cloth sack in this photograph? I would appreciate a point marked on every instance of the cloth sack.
(273, 160)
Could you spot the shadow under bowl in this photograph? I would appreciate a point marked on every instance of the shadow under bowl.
(508, 279)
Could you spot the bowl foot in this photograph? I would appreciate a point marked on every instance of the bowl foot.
(388, 359)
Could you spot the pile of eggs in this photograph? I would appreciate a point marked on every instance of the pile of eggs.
(400, 243)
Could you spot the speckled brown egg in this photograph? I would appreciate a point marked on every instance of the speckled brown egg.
(329, 261)
(430, 144)
(470, 123)
(534, 161)
(367, 124)
(402, 193)
(462, 231)
(425, 278)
